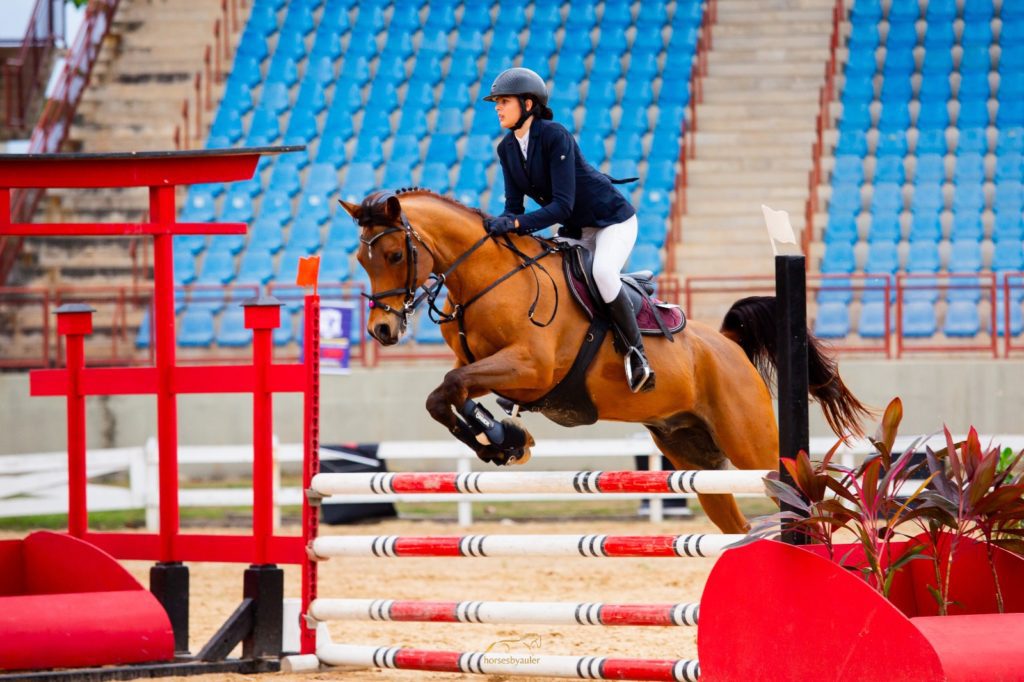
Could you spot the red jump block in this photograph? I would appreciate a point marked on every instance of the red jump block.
(66, 604)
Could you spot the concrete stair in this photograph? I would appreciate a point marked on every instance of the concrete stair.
(755, 129)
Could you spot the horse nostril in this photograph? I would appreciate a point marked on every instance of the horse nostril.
(382, 332)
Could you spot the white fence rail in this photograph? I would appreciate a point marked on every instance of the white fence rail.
(36, 484)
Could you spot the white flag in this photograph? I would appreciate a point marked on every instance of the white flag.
(779, 227)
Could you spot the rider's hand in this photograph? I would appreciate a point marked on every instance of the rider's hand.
(499, 225)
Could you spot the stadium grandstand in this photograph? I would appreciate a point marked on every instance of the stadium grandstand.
(891, 131)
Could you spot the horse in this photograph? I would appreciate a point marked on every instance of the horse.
(515, 332)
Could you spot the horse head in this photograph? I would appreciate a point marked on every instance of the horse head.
(396, 259)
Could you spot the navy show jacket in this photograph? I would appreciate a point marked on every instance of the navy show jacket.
(555, 175)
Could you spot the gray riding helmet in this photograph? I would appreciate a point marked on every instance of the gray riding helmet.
(518, 82)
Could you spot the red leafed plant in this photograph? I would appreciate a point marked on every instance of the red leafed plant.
(967, 491)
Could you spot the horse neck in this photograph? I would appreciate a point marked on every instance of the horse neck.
(449, 232)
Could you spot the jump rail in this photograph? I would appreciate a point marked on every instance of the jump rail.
(498, 663)
(599, 546)
(583, 482)
(506, 613)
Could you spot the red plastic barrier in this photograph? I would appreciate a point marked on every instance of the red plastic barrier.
(67, 604)
(772, 611)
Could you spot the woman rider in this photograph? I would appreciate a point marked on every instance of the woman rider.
(540, 159)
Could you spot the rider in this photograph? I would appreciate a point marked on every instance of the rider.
(540, 159)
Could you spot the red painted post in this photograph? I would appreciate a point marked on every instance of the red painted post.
(262, 316)
(74, 321)
(311, 461)
(161, 210)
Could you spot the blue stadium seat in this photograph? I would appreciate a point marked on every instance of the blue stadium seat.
(301, 126)
(602, 94)
(184, 267)
(933, 117)
(1008, 226)
(925, 226)
(276, 205)
(218, 267)
(1008, 255)
(938, 60)
(653, 227)
(887, 198)
(962, 320)
(977, 33)
(931, 142)
(832, 321)
(426, 331)
(969, 168)
(856, 116)
(895, 116)
(967, 226)
(901, 39)
(935, 89)
(288, 263)
(283, 69)
(313, 207)
(369, 150)
(864, 36)
(974, 86)
(871, 324)
(964, 255)
(852, 142)
(1009, 168)
(884, 228)
(237, 206)
(257, 267)
(232, 332)
(334, 263)
(883, 258)
(427, 70)
(904, 11)
(343, 233)
(200, 206)
(866, 12)
(845, 200)
(973, 114)
(848, 170)
(923, 256)
(972, 141)
(195, 328)
(581, 18)
(442, 149)
(920, 289)
(919, 319)
(633, 119)
(839, 258)
(840, 228)
(436, 177)
(892, 144)
(226, 129)
(1016, 317)
(1009, 196)
(889, 169)
(664, 144)
(968, 197)
(860, 65)
(645, 257)
(304, 236)
(252, 45)
(546, 17)
(266, 236)
(326, 46)
(930, 168)
(661, 175)
(1010, 114)
(940, 11)
(835, 290)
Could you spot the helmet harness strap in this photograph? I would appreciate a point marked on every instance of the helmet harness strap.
(524, 112)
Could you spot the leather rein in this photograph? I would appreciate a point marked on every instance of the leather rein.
(430, 290)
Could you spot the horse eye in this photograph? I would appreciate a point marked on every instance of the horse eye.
(394, 257)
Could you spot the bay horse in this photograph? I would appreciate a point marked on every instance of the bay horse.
(515, 332)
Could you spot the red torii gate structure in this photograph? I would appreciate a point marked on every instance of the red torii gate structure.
(258, 620)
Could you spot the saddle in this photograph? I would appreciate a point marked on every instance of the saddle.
(652, 316)
(568, 403)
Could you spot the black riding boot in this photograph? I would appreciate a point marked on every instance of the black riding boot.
(638, 371)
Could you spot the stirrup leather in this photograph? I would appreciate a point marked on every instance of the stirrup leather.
(643, 365)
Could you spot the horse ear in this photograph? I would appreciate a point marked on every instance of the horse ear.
(393, 209)
(351, 209)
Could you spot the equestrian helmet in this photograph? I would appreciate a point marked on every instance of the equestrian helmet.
(519, 82)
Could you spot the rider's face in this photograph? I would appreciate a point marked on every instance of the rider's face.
(508, 110)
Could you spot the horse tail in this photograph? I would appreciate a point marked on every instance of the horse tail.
(751, 323)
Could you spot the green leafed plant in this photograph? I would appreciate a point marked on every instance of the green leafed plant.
(967, 491)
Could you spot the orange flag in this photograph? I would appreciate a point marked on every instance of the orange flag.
(309, 269)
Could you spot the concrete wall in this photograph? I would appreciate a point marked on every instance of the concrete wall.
(388, 404)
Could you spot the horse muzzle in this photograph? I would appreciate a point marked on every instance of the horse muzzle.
(385, 333)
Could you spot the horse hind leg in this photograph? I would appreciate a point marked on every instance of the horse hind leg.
(691, 448)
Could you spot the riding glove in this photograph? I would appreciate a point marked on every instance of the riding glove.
(499, 225)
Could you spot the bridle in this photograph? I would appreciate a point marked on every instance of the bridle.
(431, 288)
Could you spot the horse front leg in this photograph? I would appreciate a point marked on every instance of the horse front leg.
(509, 369)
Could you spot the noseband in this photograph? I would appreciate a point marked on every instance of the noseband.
(409, 301)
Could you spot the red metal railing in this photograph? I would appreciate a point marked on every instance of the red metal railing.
(52, 128)
(822, 123)
(688, 148)
(24, 75)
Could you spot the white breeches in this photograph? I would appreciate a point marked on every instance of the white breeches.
(611, 247)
